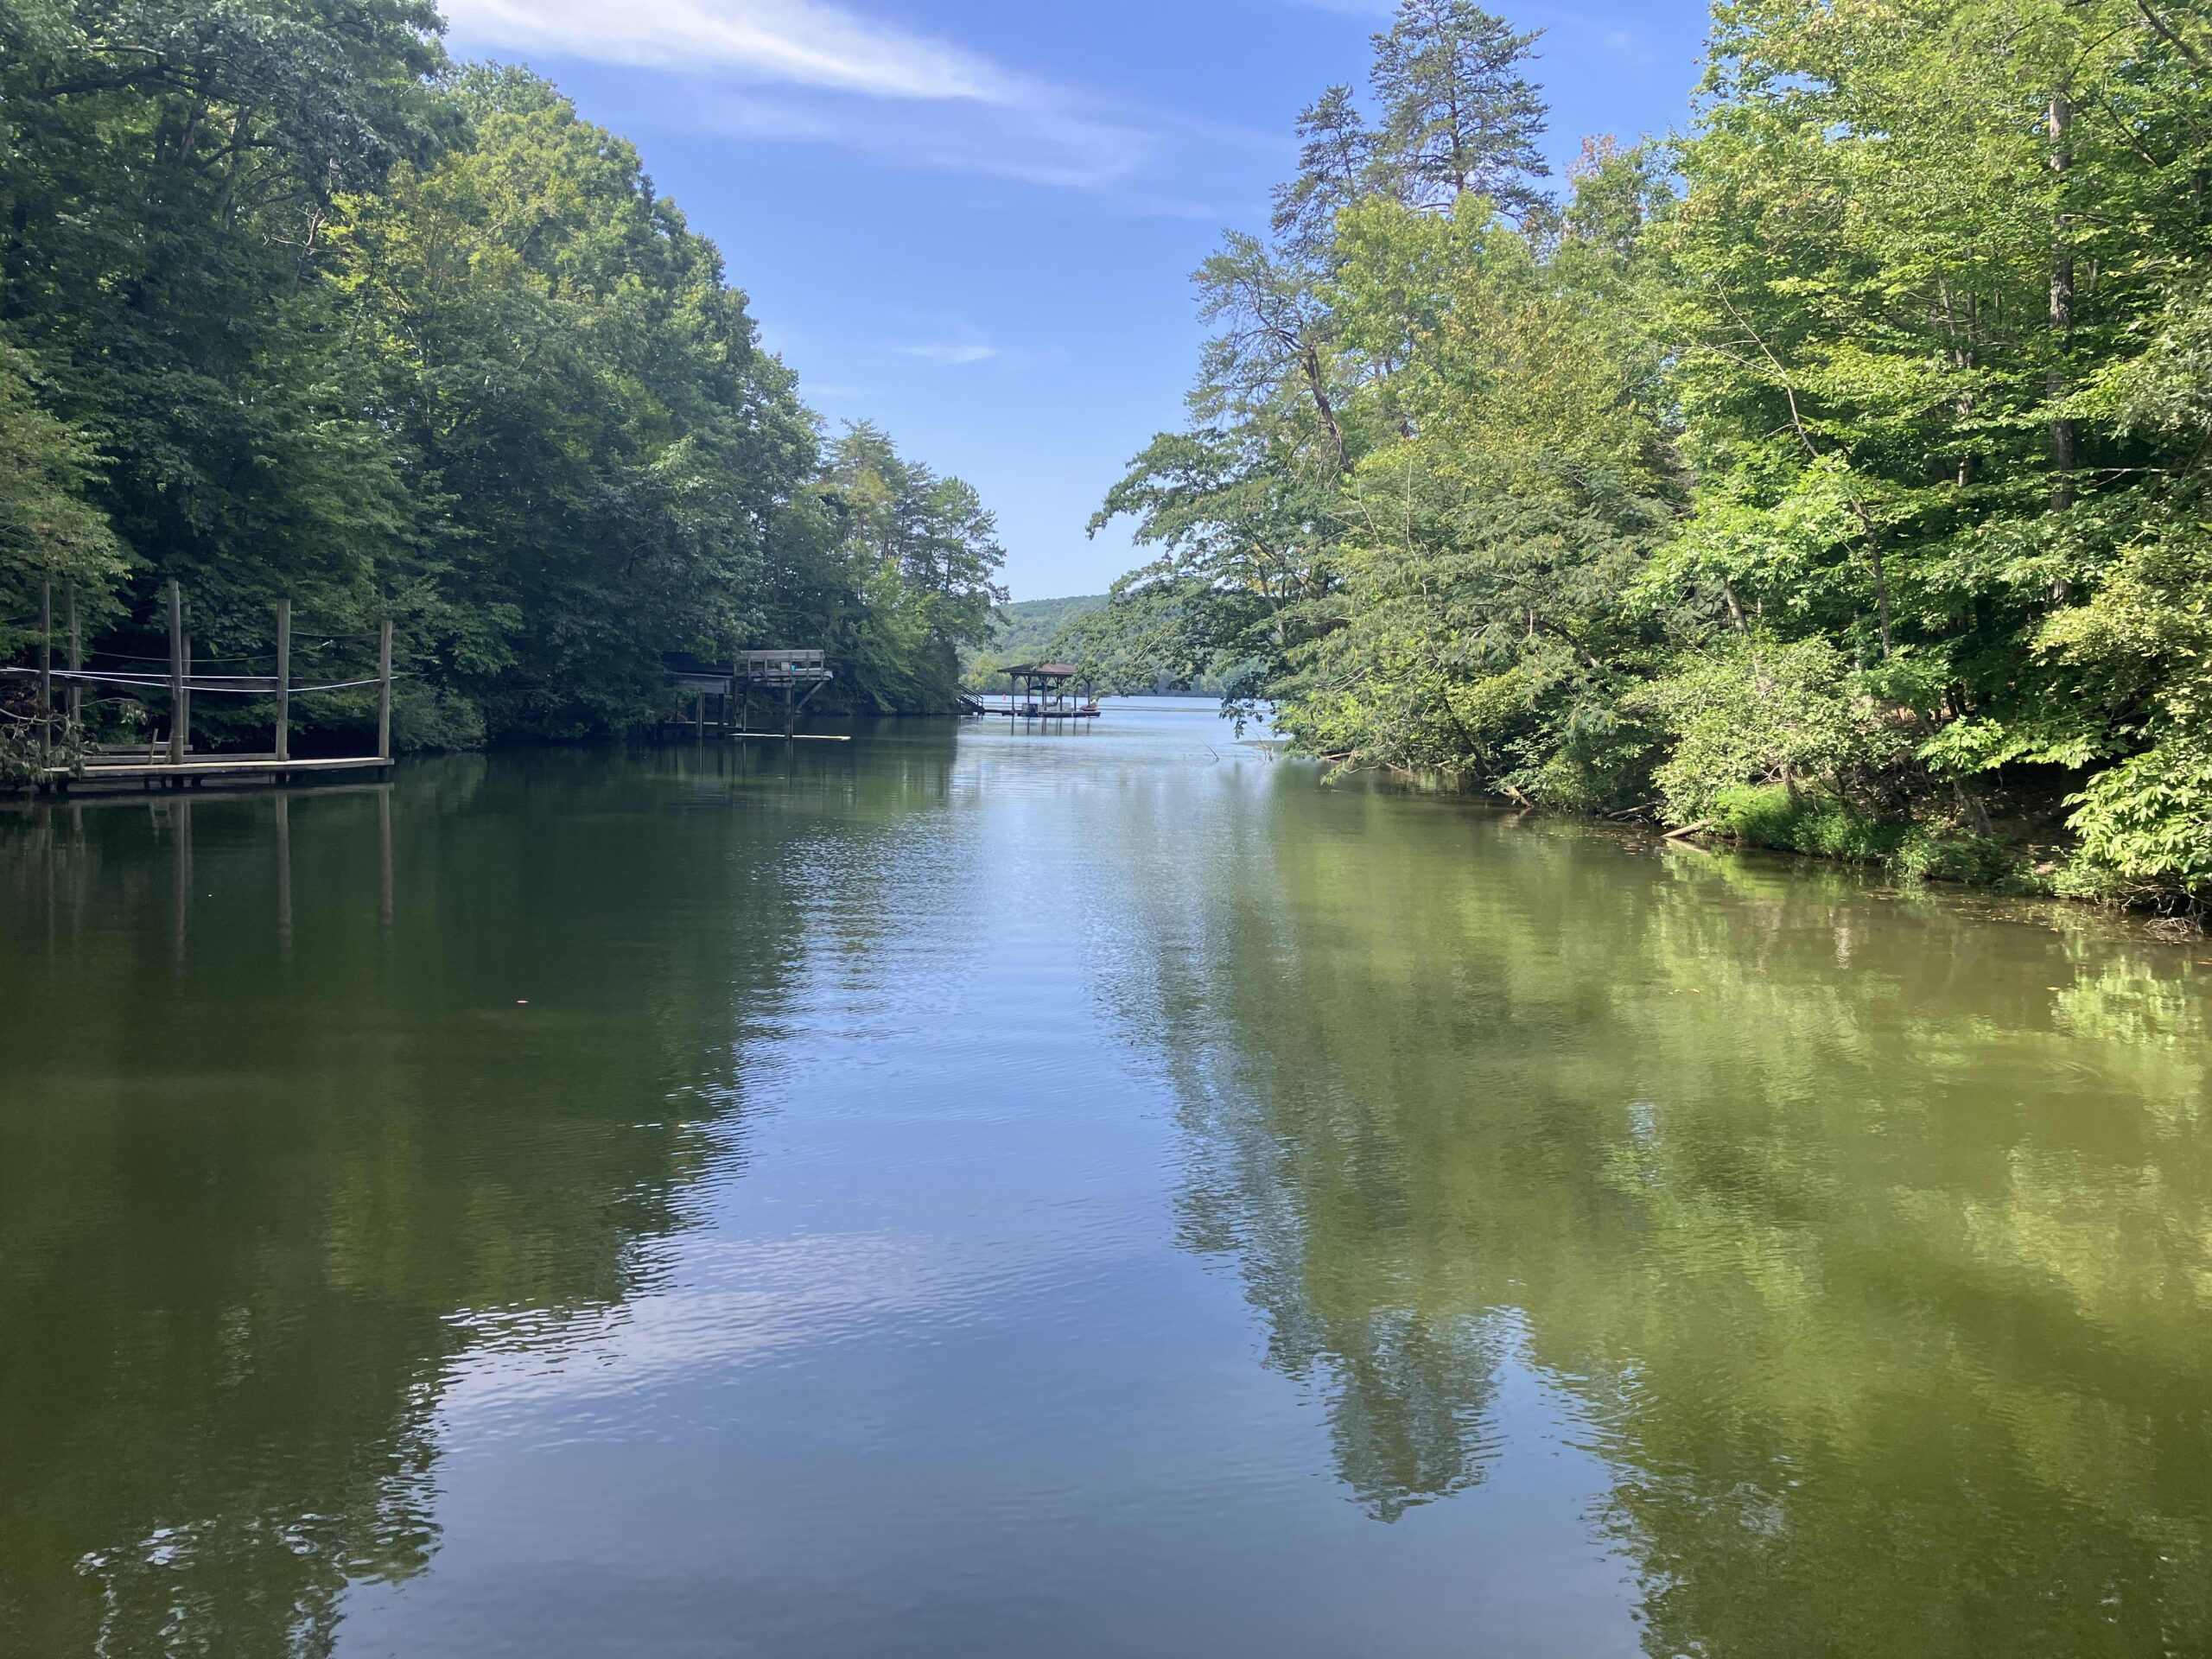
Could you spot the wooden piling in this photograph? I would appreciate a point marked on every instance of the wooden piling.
(384, 691)
(283, 679)
(184, 686)
(184, 722)
(76, 659)
(176, 674)
(45, 670)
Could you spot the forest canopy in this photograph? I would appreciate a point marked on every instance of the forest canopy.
(1834, 475)
(292, 305)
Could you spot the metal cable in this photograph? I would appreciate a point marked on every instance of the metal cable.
(264, 686)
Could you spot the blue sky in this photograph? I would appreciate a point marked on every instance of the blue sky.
(974, 221)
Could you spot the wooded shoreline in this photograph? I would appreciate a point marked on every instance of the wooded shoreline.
(295, 308)
(1832, 474)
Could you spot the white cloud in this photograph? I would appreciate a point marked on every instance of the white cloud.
(806, 42)
(1044, 142)
(817, 72)
(820, 72)
(952, 356)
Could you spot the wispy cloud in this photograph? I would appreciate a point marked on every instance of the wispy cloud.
(1044, 143)
(949, 354)
(816, 72)
(806, 42)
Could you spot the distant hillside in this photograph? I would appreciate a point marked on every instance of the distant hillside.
(1031, 623)
(1028, 630)
(1035, 630)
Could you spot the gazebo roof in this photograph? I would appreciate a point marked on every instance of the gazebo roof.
(1041, 671)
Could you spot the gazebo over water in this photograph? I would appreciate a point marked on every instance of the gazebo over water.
(1044, 692)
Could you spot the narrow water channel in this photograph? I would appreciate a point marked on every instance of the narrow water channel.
(964, 1193)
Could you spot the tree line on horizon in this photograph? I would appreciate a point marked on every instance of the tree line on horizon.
(1832, 476)
(1045, 630)
(293, 305)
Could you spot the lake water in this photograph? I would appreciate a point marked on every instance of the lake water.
(969, 1193)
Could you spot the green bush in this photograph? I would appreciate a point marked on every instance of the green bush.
(1753, 713)
(2146, 829)
(1825, 825)
(1822, 825)
(1925, 854)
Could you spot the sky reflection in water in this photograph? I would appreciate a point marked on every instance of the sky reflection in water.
(1107, 1193)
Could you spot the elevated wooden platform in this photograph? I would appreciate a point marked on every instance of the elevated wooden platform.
(797, 673)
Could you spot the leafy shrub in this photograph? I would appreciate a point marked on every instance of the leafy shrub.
(1925, 854)
(1754, 712)
(2147, 829)
(1822, 825)
(1825, 825)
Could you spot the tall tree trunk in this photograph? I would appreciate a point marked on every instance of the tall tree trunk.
(2059, 121)
(1317, 382)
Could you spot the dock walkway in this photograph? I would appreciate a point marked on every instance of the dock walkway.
(105, 770)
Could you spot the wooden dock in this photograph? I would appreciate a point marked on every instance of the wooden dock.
(731, 685)
(169, 760)
(225, 768)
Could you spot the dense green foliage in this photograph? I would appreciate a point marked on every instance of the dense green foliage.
(1835, 474)
(1029, 630)
(291, 305)
(1119, 660)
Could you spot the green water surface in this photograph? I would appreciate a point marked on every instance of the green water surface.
(969, 1193)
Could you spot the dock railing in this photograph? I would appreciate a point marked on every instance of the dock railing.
(127, 676)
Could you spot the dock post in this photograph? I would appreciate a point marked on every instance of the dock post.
(184, 690)
(176, 674)
(283, 679)
(384, 691)
(76, 659)
(45, 670)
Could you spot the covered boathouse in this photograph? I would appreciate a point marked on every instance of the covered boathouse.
(1041, 691)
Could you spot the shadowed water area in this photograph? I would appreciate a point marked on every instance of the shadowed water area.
(968, 1192)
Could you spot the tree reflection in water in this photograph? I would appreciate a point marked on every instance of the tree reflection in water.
(1865, 1247)
(1872, 1240)
(359, 1127)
